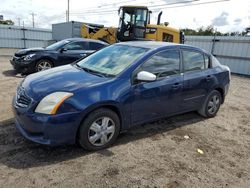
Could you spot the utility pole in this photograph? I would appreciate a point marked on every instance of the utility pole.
(68, 12)
(19, 23)
(33, 19)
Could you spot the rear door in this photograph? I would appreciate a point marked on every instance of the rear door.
(198, 78)
(163, 96)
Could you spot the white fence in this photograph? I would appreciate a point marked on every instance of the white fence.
(231, 51)
(19, 37)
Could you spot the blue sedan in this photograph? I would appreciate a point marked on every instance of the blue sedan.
(93, 100)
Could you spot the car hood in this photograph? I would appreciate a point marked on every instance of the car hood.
(28, 51)
(64, 78)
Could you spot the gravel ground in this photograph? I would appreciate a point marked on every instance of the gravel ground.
(151, 155)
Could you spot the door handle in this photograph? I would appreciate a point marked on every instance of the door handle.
(176, 85)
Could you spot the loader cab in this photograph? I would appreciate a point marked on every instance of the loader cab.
(132, 23)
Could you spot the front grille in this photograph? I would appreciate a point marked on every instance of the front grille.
(22, 100)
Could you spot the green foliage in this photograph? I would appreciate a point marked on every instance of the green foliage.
(210, 31)
(6, 22)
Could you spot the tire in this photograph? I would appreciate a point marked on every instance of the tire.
(211, 105)
(43, 64)
(99, 130)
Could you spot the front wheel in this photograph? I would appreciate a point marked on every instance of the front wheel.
(99, 130)
(211, 105)
(43, 65)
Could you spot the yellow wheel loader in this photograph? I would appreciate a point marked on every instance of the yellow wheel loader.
(134, 24)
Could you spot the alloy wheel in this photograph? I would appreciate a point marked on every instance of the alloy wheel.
(44, 65)
(213, 104)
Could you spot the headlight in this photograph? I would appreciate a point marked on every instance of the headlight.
(51, 103)
(28, 57)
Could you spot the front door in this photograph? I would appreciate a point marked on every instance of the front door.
(161, 97)
(74, 51)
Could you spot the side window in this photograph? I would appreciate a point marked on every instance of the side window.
(167, 37)
(163, 64)
(76, 46)
(193, 60)
(95, 46)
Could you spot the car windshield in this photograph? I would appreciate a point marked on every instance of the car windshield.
(57, 45)
(112, 60)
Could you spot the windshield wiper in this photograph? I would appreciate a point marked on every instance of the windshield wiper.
(97, 73)
(78, 66)
(93, 72)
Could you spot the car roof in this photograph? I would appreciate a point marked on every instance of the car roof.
(157, 44)
(86, 40)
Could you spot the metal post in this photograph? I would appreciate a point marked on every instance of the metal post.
(24, 38)
(19, 23)
(68, 12)
(33, 19)
(213, 44)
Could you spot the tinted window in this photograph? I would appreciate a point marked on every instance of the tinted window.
(76, 46)
(57, 45)
(95, 46)
(163, 64)
(193, 60)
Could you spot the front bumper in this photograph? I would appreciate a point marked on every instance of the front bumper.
(23, 67)
(47, 129)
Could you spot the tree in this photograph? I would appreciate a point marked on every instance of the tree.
(210, 31)
(246, 32)
(202, 31)
(6, 22)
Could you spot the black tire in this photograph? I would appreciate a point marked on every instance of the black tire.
(44, 62)
(84, 133)
(206, 109)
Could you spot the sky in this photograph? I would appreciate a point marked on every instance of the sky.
(227, 16)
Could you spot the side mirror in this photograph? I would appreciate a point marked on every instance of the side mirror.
(63, 50)
(146, 76)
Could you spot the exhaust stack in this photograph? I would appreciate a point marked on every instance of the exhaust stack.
(159, 18)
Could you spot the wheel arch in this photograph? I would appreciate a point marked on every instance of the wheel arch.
(221, 92)
(111, 106)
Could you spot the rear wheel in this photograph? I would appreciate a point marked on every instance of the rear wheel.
(43, 64)
(99, 130)
(211, 105)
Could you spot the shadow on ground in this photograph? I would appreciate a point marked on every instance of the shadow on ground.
(12, 73)
(17, 152)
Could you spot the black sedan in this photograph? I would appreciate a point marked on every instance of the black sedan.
(60, 53)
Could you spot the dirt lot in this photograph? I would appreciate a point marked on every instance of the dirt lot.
(152, 155)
